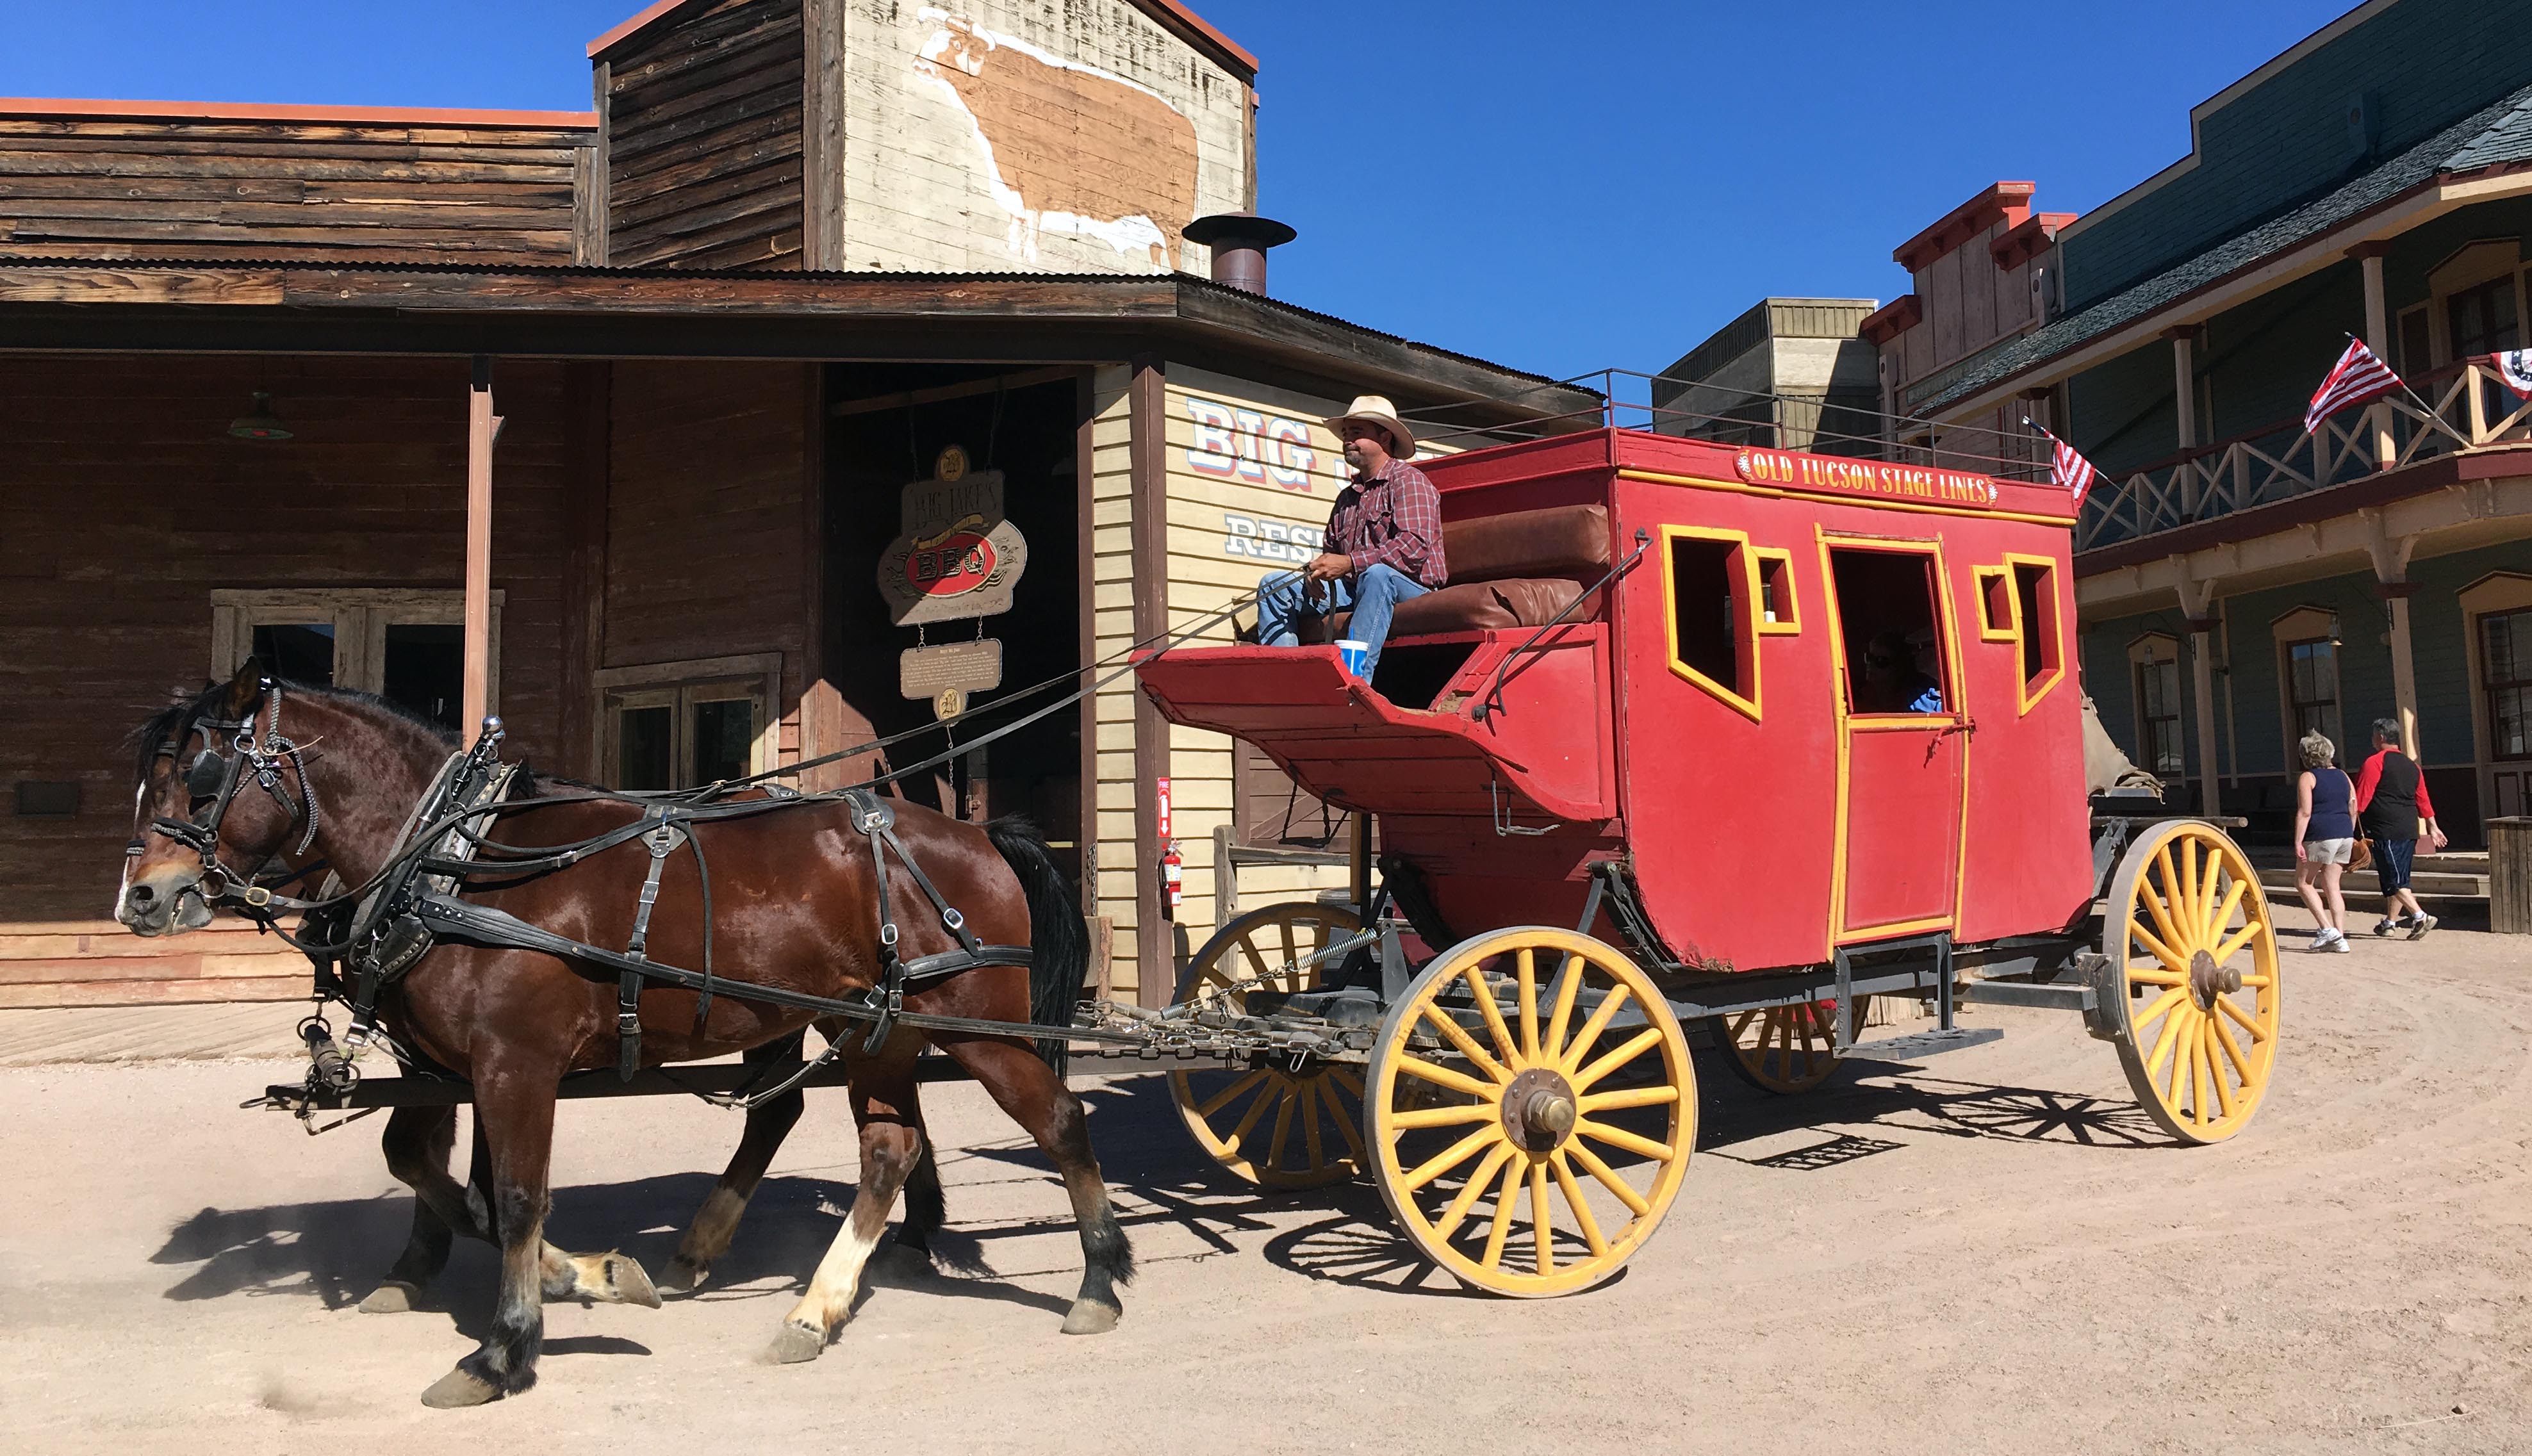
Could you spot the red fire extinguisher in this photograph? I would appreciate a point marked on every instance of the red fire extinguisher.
(1170, 874)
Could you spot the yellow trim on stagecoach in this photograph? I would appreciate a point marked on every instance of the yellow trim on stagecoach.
(1989, 631)
(1744, 625)
(2028, 698)
(1870, 503)
(1791, 624)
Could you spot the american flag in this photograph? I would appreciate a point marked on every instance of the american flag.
(2067, 468)
(2358, 376)
(2514, 369)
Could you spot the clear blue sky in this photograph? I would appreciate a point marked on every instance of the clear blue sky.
(1556, 187)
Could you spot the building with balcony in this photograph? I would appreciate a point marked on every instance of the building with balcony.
(2240, 581)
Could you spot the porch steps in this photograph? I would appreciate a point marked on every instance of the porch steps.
(2452, 878)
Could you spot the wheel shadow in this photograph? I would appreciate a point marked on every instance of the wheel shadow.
(1902, 1096)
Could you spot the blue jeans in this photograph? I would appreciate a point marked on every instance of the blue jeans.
(1373, 596)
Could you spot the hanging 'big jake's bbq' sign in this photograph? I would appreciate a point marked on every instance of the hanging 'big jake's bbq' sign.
(1864, 477)
(954, 557)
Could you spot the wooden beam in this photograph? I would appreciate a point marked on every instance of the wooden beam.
(1086, 605)
(593, 191)
(140, 285)
(1000, 383)
(822, 135)
(480, 427)
(1155, 964)
(585, 392)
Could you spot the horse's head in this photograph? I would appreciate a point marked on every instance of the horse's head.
(223, 789)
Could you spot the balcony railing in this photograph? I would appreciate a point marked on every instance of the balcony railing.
(2467, 410)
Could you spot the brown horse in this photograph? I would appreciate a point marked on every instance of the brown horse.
(794, 904)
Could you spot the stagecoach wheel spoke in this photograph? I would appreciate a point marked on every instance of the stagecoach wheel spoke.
(1514, 1147)
(1230, 966)
(1782, 1049)
(2188, 926)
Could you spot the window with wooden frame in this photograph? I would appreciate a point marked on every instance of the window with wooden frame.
(2154, 660)
(676, 725)
(1995, 602)
(407, 645)
(1710, 612)
(1778, 614)
(2037, 625)
(2307, 640)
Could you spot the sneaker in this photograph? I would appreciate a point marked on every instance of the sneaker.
(2339, 944)
(2326, 938)
(2387, 925)
(2419, 927)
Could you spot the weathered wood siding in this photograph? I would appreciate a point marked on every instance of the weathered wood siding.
(703, 139)
(704, 537)
(127, 504)
(81, 186)
(1109, 481)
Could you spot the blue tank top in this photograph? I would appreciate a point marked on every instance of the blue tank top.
(2332, 806)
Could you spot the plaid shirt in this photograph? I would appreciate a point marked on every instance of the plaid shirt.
(1393, 519)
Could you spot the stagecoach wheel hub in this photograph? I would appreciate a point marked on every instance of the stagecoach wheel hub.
(1538, 1110)
(2208, 981)
(1566, 1116)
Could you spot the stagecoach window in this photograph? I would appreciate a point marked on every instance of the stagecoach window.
(2034, 585)
(1712, 635)
(302, 652)
(424, 669)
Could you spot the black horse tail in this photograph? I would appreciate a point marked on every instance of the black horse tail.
(1058, 939)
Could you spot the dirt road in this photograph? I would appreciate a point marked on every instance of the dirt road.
(1990, 1251)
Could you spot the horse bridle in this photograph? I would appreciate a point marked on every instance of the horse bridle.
(216, 777)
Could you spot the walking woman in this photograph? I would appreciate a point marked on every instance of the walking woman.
(2325, 840)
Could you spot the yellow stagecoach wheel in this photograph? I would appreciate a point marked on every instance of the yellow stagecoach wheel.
(2192, 981)
(1531, 1110)
(1265, 1122)
(1783, 1049)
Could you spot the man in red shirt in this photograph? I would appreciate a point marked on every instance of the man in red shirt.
(1384, 540)
(2391, 799)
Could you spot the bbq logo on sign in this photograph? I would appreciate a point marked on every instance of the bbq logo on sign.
(956, 557)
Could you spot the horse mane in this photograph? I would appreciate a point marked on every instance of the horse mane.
(145, 740)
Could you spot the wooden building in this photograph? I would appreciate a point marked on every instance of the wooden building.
(672, 362)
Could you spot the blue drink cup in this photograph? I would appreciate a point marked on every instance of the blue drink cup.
(1352, 652)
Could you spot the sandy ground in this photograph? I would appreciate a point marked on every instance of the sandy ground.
(1990, 1251)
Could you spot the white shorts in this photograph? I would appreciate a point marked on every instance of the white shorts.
(2329, 851)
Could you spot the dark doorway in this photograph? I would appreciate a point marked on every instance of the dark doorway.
(876, 444)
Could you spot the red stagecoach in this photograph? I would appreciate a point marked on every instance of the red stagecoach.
(1724, 737)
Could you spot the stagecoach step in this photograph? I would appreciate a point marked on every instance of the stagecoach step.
(2068, 995)
(1916, 1047)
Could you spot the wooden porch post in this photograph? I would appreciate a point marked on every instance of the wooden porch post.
(2377, 337)
(2197, 598)
(2184, 384)
(2390, 555)
(481, 426)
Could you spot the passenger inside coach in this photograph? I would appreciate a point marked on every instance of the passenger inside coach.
(1894, 654)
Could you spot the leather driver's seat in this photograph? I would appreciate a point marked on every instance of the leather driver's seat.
(1518, 569)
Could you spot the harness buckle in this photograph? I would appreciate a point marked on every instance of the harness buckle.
(888, 933)
(256, 897)
(950, 916)
(628, 1023)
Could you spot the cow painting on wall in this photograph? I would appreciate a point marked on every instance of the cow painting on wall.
(1129, 183)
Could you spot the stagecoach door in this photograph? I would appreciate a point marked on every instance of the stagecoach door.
(1903, 741)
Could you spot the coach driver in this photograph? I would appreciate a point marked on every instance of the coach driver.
(1384, 541)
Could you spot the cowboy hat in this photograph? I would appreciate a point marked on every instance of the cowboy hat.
(1373, 409)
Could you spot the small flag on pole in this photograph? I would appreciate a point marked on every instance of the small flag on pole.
(2514, 369)
(2356, 378)
(2067, 468)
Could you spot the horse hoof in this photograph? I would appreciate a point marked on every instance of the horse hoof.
(457, 1388)
(1089, 1317)
(905, 1259)
(632, 1286)
(394, 1297)
(680, 1276)
(794, 1344)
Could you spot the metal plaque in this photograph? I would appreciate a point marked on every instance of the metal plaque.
(959, 667)
(955, 559)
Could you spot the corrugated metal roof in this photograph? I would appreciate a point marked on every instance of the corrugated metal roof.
(563, 270)
(2495, 134)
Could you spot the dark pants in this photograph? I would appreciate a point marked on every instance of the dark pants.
(2392, 859)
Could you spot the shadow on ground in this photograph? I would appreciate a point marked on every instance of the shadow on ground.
(337, 1251)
